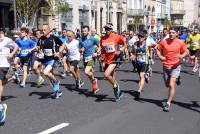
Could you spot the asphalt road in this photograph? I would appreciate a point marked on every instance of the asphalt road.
(31, 110)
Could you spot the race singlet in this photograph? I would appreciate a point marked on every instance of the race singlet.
(88, 58)
(141, 57)
(109, 47)
(48, 52)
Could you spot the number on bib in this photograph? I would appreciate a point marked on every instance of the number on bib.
(48, 52)
(88, 58)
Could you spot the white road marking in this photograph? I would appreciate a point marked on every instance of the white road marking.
(53, 129)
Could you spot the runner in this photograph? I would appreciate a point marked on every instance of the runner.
(133, 38)
(6, 44)
(109, 46)
(73, 56)
(87, 44)
(26, 46)
(194, 40)
(170, 52)
(50, 47)
(140, 53)
(65, 61)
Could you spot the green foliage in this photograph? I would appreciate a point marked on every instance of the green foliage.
(27, 9)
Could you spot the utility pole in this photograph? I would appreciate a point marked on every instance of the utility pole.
(15, 16)
(108, 15)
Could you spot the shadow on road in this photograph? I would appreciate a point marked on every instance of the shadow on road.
(43, 95)
(189, 106)
(130, 80)
(187, 72)
(4, 98)
(87, 93)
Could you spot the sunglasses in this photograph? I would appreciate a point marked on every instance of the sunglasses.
(108, 29)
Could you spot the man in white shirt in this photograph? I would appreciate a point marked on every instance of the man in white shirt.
(73, 54)
(6, 44)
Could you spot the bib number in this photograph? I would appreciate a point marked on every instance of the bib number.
(141, 57)
(195, 44)
(110, 48)
(88, 58)
(24, 51)
(48, 52)
(40, 55)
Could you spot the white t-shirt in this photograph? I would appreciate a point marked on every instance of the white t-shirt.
(132, 41)
(73, 50)
(5, 46)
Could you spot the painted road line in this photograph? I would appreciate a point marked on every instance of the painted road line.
(53, 129)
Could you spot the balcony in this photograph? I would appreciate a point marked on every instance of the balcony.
(136, 12)
(178, 12)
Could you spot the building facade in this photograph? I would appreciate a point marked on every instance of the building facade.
(177, 12)
(135, 15)
(94, 13)
(6, 16)
(191, 12)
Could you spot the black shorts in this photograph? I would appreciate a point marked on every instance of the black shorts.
(3, 72)
(193, 52)
(25, 61)
(141, 67)
(74, 63)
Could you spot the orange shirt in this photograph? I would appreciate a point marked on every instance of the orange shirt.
(109, 45)
(171, 49)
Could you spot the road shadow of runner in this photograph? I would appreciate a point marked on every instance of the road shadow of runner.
(157, 72)
(4, 98)
(189, 106)
(43, 95)
(187, 72)
(130, 80)
(87, 93)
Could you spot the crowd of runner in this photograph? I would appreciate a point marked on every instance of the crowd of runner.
(39, 52)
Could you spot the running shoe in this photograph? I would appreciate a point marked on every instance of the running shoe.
(3, 108)
(17, 79)
(137, 95)
(146, 76)
(166, 107)
(22, 85)
(80, 83)
(57, 94)
(95, 88)
(118, 93)
(63, 75)
(196, 67)
(40, 81)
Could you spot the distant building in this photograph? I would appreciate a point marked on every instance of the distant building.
(6, 16)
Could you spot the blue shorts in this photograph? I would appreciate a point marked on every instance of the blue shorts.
(49, 63)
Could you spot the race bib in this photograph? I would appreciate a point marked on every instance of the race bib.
(110, 48)
(4, 51)
(24, 51)
(48, 52)
(141, 57)
(195, 44)
(40, 55)
(88, 58)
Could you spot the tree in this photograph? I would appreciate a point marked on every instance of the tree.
(168, 23)
(137, 22)
(27, 10)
